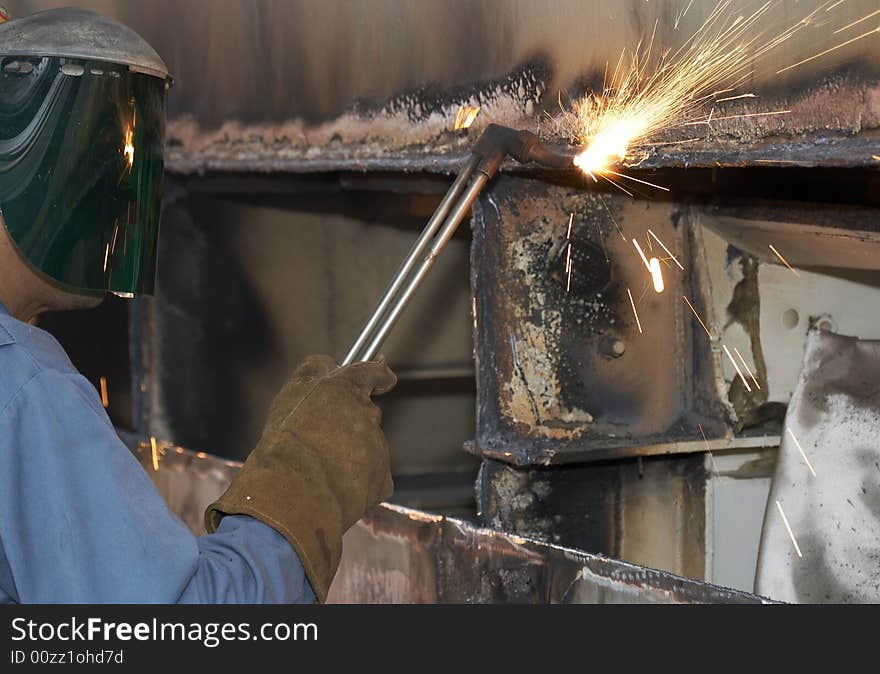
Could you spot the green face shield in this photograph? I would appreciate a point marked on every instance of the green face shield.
(81, 161)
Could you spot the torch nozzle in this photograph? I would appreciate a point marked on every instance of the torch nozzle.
(499, 141)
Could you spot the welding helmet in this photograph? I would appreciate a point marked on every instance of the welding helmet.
(82, 123)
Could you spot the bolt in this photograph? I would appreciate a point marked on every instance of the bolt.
(612, 347)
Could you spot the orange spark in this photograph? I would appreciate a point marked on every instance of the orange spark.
(653, 266)
(636, 313)
(801, 450)
(751, 114)
(128, 150)
(735, 98)
(790, 532)
(697, 316)
(828, 51)
(568, 254)
(743, 361)
(784, 261)
(736, 367)
(857, 21)
(105, 398)
(155, 451)
(465, 116)
(568, 269)
(656, 275)
(662, 245)
(649, 91)
(637, 180)
(714, 467)
(613, 219)
(642, 254)
(681, 16)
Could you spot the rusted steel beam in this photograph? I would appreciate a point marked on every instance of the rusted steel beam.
(565, 367)
(832, 122)
(651, 511)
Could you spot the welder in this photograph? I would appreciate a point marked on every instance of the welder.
(82, 118)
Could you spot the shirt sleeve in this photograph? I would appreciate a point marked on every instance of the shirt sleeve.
(81, 521)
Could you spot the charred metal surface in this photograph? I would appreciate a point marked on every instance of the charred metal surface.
(834, 515)
(835, 123)
(564, 374)
(649, 511)
(300, 86)
(411, 131)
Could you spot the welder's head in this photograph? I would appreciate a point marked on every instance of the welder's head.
(82, 121)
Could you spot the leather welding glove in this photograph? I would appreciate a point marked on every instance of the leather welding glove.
(320, 464)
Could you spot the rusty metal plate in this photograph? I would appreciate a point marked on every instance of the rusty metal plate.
(553, 385)
(400, 555)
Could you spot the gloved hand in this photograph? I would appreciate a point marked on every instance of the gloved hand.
(321, 463)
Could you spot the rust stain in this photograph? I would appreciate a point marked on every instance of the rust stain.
(532, 397)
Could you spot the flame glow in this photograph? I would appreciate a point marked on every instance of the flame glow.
(128, 150)
(128, 147)
(650, 91)
(654, 269)
(466, 116)
(656, 275)
(609, 146)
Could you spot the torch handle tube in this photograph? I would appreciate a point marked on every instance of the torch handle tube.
(458, 213)
(488, 152)
(417, 250)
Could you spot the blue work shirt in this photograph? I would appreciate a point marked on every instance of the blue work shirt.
(81, 521)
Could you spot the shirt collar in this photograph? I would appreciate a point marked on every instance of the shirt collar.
(3, 310)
